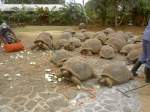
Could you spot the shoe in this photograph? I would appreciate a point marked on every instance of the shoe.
(147, 75)
(134, 73)
(135, 68)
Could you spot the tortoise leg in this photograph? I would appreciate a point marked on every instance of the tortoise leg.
(65, 73)
(102, 81)
(94, 76)
(90, 53)
(108, 82)
(75, 80)
(46, 47)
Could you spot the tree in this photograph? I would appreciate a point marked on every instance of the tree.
(117, 12)
(34, 1)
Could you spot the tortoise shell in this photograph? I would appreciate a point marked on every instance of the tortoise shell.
(108, 31)
(80, 36)
(60, 43)
(93, 45)
(45, 38)
(107, 52)
(117, 72)
(134, 55)
(124, 35)
(82, 26)
(129, 47)
(60, 56)
(78, 68)
(72, 44)
(116, 41)
(101, 36)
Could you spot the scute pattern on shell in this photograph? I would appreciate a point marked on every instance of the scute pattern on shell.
(116, 41)
(130, 34)
(118, 36)
(75, 42)
(101, 36)
(108, 31)
(134, 54)
(88, 35)
(94, 45)
(59, 56)
(124, 35)
(82, 26)
(107, 52)
(80, 36)
(60, 43)
(129, 47)
(78, 68)
(72, 44)
(138, 38)
(117, 72)
(45, 38)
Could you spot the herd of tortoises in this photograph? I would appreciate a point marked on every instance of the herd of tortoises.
(105, 44)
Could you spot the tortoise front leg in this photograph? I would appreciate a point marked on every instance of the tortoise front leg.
(65, 73)
(102, 81)
(108, 82)
(75, 80)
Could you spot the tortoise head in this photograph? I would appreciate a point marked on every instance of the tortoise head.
(65, 73)
(87, 52)
(69, 46)
(106, 81)
(41, 45)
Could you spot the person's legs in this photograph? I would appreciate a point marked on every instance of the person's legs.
(136, 67)
(147, 74)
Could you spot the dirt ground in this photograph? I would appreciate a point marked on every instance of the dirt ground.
(27, 35)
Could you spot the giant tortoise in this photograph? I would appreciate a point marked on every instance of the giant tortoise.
(82, 26)
(91, 46)
(114, 74)
(116, 41)
(44, 41)
(88, 34)
(124, 35)
(134, 55)
(129, 47)
(101, 36)
(60, 43)
(107, 52)
(72, 44)
(60, 56)
(80, 36)
(108, 31)
(76, 70)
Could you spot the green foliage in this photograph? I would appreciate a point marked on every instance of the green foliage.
(69, 14)
(117, 12)
(72, 14)
(2, 17)
(19, 16)
(101, 10)
(34, 1)
(106, 12)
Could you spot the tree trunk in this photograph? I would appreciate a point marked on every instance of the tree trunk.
(116, 12)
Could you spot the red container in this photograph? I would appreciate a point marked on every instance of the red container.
(14, 47)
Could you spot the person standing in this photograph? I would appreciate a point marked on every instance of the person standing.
(145, 58)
